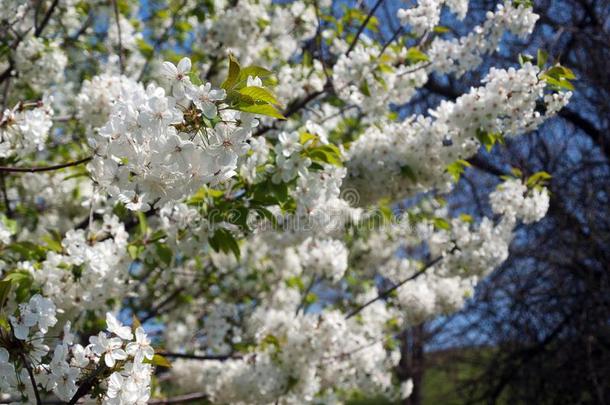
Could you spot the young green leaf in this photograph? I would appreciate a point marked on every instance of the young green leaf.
(262, 109)
(233, 75)
(259, 94)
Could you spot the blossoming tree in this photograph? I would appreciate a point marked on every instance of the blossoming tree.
(198, 197)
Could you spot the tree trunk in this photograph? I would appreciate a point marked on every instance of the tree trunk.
(412, 362)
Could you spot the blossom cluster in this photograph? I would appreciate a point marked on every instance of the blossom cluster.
(115, 357)
(235, 177)
(148, 152)
(24, 129)
(389, 163)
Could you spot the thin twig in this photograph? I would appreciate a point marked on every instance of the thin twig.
(318, 40)
(118, 27)
(8, 169)
(385, 46)
(155, 310)
(46, 19)
(301, 306)
(6, 93)
(394, 288)
(87, 384)
(28, 367)
(7, 203)
(218, 357)
(160, 40)
(293, 108)
(362, 27)
(179, 399)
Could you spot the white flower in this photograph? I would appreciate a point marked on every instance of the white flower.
(38, 310)
(132, 388)
(141, 348)
(37, 347)
(133, 201)
(45, 311)
(117, 387)
(64, 377)
(406, 388)
(289, 143)
(178, 76)
(114, 326)
(22, 323)
(110, 349)
(80, 356)
(204, 97)
(7, 370)
(254, 81)
(227, 145)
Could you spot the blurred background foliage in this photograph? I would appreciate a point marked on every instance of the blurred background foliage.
(537, 330)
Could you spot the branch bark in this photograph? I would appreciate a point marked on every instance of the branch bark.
(387, 292)
(9, 169)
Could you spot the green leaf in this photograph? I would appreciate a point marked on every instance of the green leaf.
(262, 109)
(233, 75)
(28, 250)
(195, 79)
(259, 94)
(538, 179)
(145, 48)
(262, 23)
(364, 88)
(466, 218)
(439, 29)
(406, 171)
(22, 283)
(516, 172)
(557, 83)
(10, 224)
(135, 250)
(310, 298)
(441, 223)
(385, 68)
(53, 241)
(307, 59)
(414, 55)
(308, 139)
(295, 282)
(489, 139)
(270, 340)
(456, 168)
(164, 253)
(523, 59)
(542, 58)
(224, 241)
(325, 153)
(524, 3)
(159, 361)
(253, 71)
(142, 223)
(5, 290)
(559, 77)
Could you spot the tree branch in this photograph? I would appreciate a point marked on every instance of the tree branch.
(394, 288)
(86, 385)
(363, 26)
(28, 367)
(294, 108)
(8, 169)
(301, 306)
(218, 357)
(46, 19)
(118, 27)
(179, 399)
